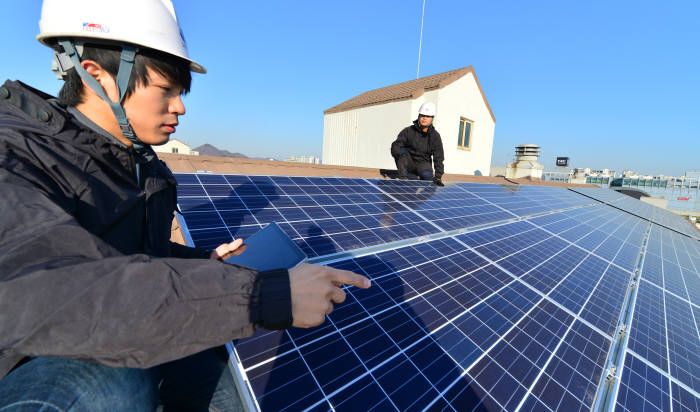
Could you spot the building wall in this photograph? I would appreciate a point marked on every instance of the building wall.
(378, 127)
(340, 135)
(463, 99)
(362, 137)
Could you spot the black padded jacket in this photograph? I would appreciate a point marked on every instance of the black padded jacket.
(87, 270)
(421, 146)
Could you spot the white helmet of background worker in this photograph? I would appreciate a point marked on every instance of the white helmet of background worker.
(427, 109)
(66, 25)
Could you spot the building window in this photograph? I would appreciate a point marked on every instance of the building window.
(174, 149)
(464, 138)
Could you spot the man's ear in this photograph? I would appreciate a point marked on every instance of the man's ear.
(103, 77)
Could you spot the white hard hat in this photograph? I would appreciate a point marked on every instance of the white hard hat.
(427, 109)
(147, 23)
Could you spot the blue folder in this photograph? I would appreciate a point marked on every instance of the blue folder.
(268, 249)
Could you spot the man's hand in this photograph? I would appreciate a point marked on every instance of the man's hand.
(315, 288)
(438, 182)
(227, 250)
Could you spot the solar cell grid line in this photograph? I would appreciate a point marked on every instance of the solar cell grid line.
(647, 333)
(585, 229)
(560, 222)
(689, 273)
(683, 342)
(614, 251)
(606, 246)
(572, 374)
(449, 207)
(504, 376)
(524, 200)
(500, 376)
(507, 197)
(501, 248)
(500, 360)
(642, 388)
(592, 378)
(682, 255)
(221, 219)
(682, 400)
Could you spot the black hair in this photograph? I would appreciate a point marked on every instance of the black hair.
(175, 69)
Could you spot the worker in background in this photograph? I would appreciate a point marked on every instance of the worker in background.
(98, 309)
(416, 145)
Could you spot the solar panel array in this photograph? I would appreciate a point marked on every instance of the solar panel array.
(644, 210)
(499, 297)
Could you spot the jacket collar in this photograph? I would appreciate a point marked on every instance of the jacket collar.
(417, 126)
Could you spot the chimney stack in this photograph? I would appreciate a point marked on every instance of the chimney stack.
(525, 165)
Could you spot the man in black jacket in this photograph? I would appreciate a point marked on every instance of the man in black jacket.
(416, 145)
(93, 295)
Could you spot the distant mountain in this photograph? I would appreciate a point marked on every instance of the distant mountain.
(209, 150)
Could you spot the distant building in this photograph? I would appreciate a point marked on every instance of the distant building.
(303, 159)
(359, 131)
(678, 194)
(177, 147)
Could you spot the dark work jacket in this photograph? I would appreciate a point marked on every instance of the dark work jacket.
(421, 146)
(87, 270)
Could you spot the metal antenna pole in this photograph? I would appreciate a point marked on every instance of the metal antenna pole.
(420, 43)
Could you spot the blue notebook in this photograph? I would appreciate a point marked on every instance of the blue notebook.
(268, 249)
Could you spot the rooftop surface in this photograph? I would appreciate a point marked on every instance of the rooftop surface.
(180, 163)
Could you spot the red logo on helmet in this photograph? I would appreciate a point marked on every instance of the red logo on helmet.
(95, 28)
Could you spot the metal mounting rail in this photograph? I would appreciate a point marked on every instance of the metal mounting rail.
(610, 380)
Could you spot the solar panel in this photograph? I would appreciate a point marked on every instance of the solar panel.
(662, 354)
(322, 215)
(508, 298)
(441, 332)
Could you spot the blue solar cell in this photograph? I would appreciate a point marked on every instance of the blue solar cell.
(575, 289)
(499, 249)
(449, 207)
(211, 238)
(526, 259)
(653, 269)
(508, 371)
(549, 274)
(673, 280)
(603, 308)
(627, 256)
(682, 400)
(648, 330)
(683, 342)
(570, 380)
(642, 388)
(480, 237)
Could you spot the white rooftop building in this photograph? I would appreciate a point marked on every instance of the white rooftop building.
(359, 131)
(177, 147)
(303, 159)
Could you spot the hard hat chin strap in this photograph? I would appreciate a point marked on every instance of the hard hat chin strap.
(125, 65)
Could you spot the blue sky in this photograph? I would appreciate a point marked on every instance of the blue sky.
(611, 84)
